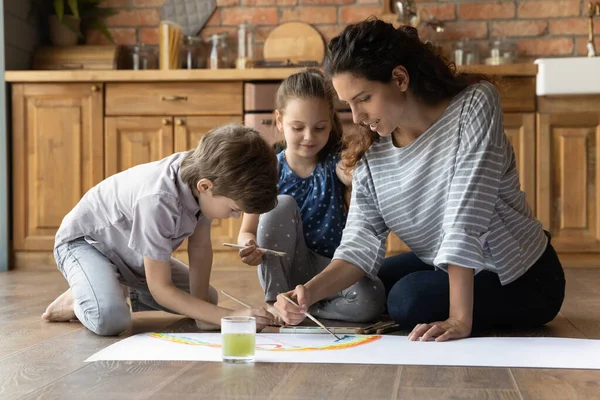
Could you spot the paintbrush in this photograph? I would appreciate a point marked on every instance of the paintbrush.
(278, 322)
(316, 321)
(267, 251)
(232, 297)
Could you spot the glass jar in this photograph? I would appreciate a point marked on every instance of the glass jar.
(245, 57)
(141, 57)
(465, 52)
(190, 54)
(502, 51)
(219, 52)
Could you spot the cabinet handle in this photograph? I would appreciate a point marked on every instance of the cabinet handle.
(179, 122)
(71, 66)
(174, 98)
(166, 121)
(94, 88)
(266, 122)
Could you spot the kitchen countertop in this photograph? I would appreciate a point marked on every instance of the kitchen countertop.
(257, 74)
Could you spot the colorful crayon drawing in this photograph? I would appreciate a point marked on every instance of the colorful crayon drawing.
(266, 343)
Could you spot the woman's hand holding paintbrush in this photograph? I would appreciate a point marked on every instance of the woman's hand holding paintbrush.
(291, 314)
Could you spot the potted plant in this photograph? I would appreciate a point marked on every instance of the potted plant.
(67, 19)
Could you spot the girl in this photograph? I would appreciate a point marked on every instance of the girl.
(435, 167)
(308, 221)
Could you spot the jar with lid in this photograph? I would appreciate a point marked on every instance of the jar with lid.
(140, 57)
(219, 52)
(502, 51)
(465, 52)
(191, 53)
(245, 57)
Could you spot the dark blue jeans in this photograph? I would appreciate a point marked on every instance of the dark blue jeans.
(417, 294)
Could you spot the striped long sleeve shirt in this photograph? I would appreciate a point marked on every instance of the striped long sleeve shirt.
(452, 195)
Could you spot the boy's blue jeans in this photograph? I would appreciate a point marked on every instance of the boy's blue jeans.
(419, 294)
(98, 287)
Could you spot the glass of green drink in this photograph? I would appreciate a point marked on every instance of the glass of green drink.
(238, 339)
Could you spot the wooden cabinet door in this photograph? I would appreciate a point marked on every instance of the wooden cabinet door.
(568, 195)
(188, 132)
(57, 156)
(131, 141)
(520, 130)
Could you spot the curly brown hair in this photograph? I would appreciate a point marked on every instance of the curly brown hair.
(371, 49)
(239, 162)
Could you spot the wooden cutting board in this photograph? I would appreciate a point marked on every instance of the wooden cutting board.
(294, 41)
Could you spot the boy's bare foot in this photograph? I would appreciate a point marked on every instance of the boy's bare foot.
(207, 326)
(60, 309)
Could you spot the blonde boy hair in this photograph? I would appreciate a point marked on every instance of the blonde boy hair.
(239, 162)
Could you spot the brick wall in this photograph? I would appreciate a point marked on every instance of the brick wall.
(540, 27)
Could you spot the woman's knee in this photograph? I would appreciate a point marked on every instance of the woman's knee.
(108, 320)
(418, 298)
(397, 267)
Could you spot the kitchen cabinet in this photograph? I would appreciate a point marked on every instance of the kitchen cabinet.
(71, 129)
(57, 156)
(568, 190)
(520, 130)
(63, 128)
(131, 141)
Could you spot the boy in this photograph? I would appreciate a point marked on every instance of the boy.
(124, 230)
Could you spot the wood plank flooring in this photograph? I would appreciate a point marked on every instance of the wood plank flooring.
(40, 360)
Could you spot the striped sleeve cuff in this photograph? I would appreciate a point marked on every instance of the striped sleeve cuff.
(366, 256)
(461, 248)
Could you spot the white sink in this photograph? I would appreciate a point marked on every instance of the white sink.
(569, 75)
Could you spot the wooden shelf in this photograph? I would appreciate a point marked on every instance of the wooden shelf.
(214, 75)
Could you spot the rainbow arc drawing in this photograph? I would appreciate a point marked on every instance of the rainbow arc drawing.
(269, 343)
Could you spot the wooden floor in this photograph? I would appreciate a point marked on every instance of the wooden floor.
(40, 360)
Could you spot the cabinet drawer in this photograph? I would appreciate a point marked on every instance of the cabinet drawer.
(264, 123)
(181, 98)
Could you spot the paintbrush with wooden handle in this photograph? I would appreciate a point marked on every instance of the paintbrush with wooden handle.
(267, 251)
(316, 321)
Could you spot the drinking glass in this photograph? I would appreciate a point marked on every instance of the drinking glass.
(238, 339)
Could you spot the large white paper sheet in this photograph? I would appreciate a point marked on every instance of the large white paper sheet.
(366, 349)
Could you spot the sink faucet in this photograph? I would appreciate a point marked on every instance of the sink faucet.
(593, 10)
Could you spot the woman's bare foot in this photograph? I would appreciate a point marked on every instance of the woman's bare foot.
(60, 309)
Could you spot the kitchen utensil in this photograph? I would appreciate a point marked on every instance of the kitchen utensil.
(294, 41)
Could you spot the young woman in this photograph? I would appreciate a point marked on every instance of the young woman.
(435, 167)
